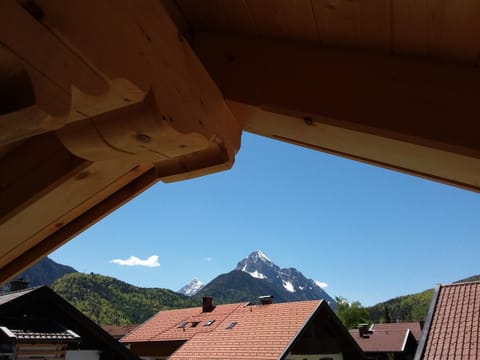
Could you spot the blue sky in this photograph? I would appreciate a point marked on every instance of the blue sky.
(371, 234)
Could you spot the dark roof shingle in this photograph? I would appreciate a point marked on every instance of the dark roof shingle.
(413, 326)
(382, 340)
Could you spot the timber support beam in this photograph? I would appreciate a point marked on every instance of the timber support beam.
(409, 114)
(109, 99)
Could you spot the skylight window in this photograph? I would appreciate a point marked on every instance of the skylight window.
(183, 324)
(209, 322)
(195, 323)
(231, 325)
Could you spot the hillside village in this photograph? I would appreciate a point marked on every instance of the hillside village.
(186, 327)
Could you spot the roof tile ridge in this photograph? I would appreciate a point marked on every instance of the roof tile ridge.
(477, 282)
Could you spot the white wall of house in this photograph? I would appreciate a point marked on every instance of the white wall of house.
(82, 355)
(315, 357)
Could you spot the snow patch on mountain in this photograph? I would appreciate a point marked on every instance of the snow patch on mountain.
(262, 256)
(192, 288)
(288, 286)
(320, 284)
(257, 274)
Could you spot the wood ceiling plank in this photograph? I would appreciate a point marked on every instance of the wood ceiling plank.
(411, 100)
(219, 15)
(286, 19)
(234, 16)
(357, 24)
(200, 14)
(452, 30)
(410, 27)
(408, 95)
(130, 42)
(113, 43)
(17, 27)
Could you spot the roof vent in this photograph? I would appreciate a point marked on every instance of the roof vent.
(207, 304)
(266, 299)
(364, 331)
(19, 284)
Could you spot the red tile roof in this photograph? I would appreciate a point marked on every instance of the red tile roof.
(261, 331)
(164, 325)
(382, 340)
(454, 330)
(414, 327)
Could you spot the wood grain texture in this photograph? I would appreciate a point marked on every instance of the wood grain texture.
(110, 57)
(357, 24)
(422, 161)
(406, 98)
(291, 20)
(79, 222)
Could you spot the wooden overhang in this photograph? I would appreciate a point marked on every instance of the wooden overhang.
(101, 99)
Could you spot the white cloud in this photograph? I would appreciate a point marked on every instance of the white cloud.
(321, 284)
(152, 261)
(208, 258)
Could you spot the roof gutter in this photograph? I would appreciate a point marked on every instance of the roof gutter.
(428, 323)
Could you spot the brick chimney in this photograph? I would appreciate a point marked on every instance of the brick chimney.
(207, 304)
(19, 284)
(363, 330)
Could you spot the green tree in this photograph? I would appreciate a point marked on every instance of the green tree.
(351, 314)
(109, 301)
(387, 318)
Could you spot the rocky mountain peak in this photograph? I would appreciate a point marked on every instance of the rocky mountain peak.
(192, 288)
(290, 280)
(258, 265)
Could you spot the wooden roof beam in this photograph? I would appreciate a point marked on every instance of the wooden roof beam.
(99, 121)
(409, 114)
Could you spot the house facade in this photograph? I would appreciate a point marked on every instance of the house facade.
(37, 323)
